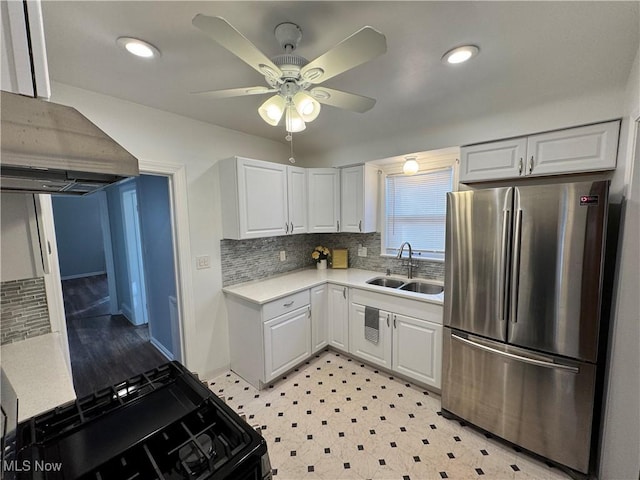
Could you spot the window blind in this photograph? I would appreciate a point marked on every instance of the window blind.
(415, 211)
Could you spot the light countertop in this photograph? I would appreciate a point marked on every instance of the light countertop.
(38, 373)
(272, 288)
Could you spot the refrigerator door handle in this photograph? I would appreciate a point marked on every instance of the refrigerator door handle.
(515, 277)
(504, 262)
(519, 358)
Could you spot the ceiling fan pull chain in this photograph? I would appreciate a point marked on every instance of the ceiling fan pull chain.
(290, 138)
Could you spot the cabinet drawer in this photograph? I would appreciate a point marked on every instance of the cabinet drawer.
(285, 304)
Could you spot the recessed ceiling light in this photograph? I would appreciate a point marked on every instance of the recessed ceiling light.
(460, 54)
(138, 47)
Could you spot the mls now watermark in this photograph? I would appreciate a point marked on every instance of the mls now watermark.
(31, 466)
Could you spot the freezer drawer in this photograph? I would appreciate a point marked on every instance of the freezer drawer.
(540, 402)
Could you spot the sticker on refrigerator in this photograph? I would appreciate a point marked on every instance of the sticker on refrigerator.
(589, 200)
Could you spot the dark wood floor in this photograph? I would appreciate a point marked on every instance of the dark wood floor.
(104, 349)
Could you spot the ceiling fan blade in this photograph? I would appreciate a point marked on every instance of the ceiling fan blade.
(226, 35)
(340, 99)
(235, 92)
(364, 45)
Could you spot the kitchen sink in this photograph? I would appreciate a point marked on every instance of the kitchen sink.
(422, 287)
(386, 282)
(416, 286)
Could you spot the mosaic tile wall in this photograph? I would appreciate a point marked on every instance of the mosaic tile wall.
(255, 259)
(23, 310)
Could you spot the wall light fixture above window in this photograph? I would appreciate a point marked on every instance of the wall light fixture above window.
(410, 166)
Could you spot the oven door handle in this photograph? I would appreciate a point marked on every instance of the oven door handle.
(513, 356)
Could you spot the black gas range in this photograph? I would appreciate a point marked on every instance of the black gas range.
(163, 424)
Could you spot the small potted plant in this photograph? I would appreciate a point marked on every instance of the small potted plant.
(321, 254)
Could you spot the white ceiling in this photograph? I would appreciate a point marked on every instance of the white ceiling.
(530, 53)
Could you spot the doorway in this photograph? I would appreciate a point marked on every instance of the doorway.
(128, 230)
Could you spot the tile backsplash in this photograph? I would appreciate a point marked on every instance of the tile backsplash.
(255, 259)
(23, 310)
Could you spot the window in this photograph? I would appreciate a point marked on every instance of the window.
(415, 212)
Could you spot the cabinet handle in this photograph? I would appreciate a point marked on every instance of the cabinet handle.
(360, 225)
(288, 304)
(531, 165)
(337, 225)
(388, 320)
(520, 166)
(286, 227)
(394, 321)
(344, 292)
(309, 309)
(291, 227)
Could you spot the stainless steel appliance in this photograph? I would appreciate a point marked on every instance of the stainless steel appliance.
(523, 282)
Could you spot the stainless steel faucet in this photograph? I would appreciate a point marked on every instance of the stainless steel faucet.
(410, 264)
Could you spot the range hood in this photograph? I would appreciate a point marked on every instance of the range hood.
(53, 148)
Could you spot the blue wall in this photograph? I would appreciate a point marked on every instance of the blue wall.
(155, 225)
(79, 235)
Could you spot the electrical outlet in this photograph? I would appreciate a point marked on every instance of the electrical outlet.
(362, 251)
(283, 255)
(202, 262)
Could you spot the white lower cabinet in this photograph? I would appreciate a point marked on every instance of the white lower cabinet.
(319, 326)
(374, 352)
(408, 344)
(338, 317)
(417, 349)
(287, 341)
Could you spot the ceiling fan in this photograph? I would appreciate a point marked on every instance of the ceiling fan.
(291, 78)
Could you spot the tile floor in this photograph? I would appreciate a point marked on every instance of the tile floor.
(336, 418)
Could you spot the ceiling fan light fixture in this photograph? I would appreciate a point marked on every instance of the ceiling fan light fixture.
(410, 166)
(138, 47)
(293, 120)
(272, 110)
(460, 54)
(307, 106)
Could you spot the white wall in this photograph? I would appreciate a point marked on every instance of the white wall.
(157, 136)
(620, 451)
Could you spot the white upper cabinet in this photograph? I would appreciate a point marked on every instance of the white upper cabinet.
(583, 149)
(324, 200)
(359, 199)
(297, 199)
(575, 150)
(24, 58)
(493, 161)
(261, 199)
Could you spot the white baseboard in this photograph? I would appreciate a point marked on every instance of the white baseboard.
(161, 348)
(83, 275)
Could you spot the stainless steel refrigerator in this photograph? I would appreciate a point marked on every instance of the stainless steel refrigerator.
(523, 282)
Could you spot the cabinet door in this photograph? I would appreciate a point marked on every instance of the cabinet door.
(324, 200)
(262, 202)
(297, 199)
(492, 161)
(338, 318)
(319, 327)
(417, 349)
(582, 149)
(287, 342)
(352, 198)
(378, 353)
